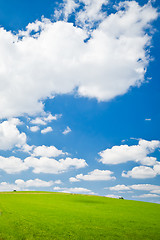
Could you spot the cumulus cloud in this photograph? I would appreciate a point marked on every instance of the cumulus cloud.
(91, 12)
(149, 195)
(140, 187)
(51, 58)
(112, 196)
(67, 130)
(45, 119)
(52, 166)
(58, 182)
(21, 185)
(157, 168)
(96, 175)
(10, 136)
(45, 151)
(46, 130)
(4, 187)
(34, 128)
(140, 172)
(137, 153)
(12, 165)
(119, 188)
(33, 183)
(78, 190)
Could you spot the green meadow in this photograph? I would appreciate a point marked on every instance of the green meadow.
(42, 215)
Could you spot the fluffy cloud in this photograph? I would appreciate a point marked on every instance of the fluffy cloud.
(21, 185)
(149, 195)
(157, 168)
(34, 128)
(4, 187)
(44, 151)
(140, 187)
(67, 130)
(48, 165)
(119, 188)
(136, 153)
(45, 119)
(10, 136)
(12, 165)
(33, 183)
(96, 175)
(112, 196)
(46, 130)
(74, 190)
(140, 172)
(50, 58)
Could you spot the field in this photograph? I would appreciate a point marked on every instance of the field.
(31, 216)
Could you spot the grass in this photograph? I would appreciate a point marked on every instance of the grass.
(76, 217)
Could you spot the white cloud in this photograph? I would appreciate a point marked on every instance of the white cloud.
(73, 179)
(157, 168)
(149, 195)
(58, 182)
(148, 119)
(38, 121)
(10, 136)
(27, 148)
(52, 166)
(112, 196)
(140, 187)
(57, 60)
(136, 153)
(78, 190)
(12, 165)
(67, 130)
(156, 191)
(4, 187)
(69, 7)
(140, 172)
(44, 151)
(119, 188)
(34, 128)
(145, 187)
(45, 119)
(96, 175)
(33, 183)
(91, 13)
(46, 130)
(21, 185)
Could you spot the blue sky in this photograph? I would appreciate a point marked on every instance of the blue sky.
(80, 97)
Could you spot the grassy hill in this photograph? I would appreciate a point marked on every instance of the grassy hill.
(31, 216)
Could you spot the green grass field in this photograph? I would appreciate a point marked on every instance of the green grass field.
(65, 216)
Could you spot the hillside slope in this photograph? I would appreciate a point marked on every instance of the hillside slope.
(58, 216)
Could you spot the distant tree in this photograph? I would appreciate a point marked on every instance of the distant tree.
(121, 198)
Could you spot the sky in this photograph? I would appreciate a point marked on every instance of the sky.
(79, 97)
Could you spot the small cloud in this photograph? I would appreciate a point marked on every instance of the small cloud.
(45, 151)
(58, 182)
(67, 130)
(148, 119)
(78, 190)
(112, 196)
(45, 119)
(96, 175)
(34, 128)
(148, 195)
(46, 130)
